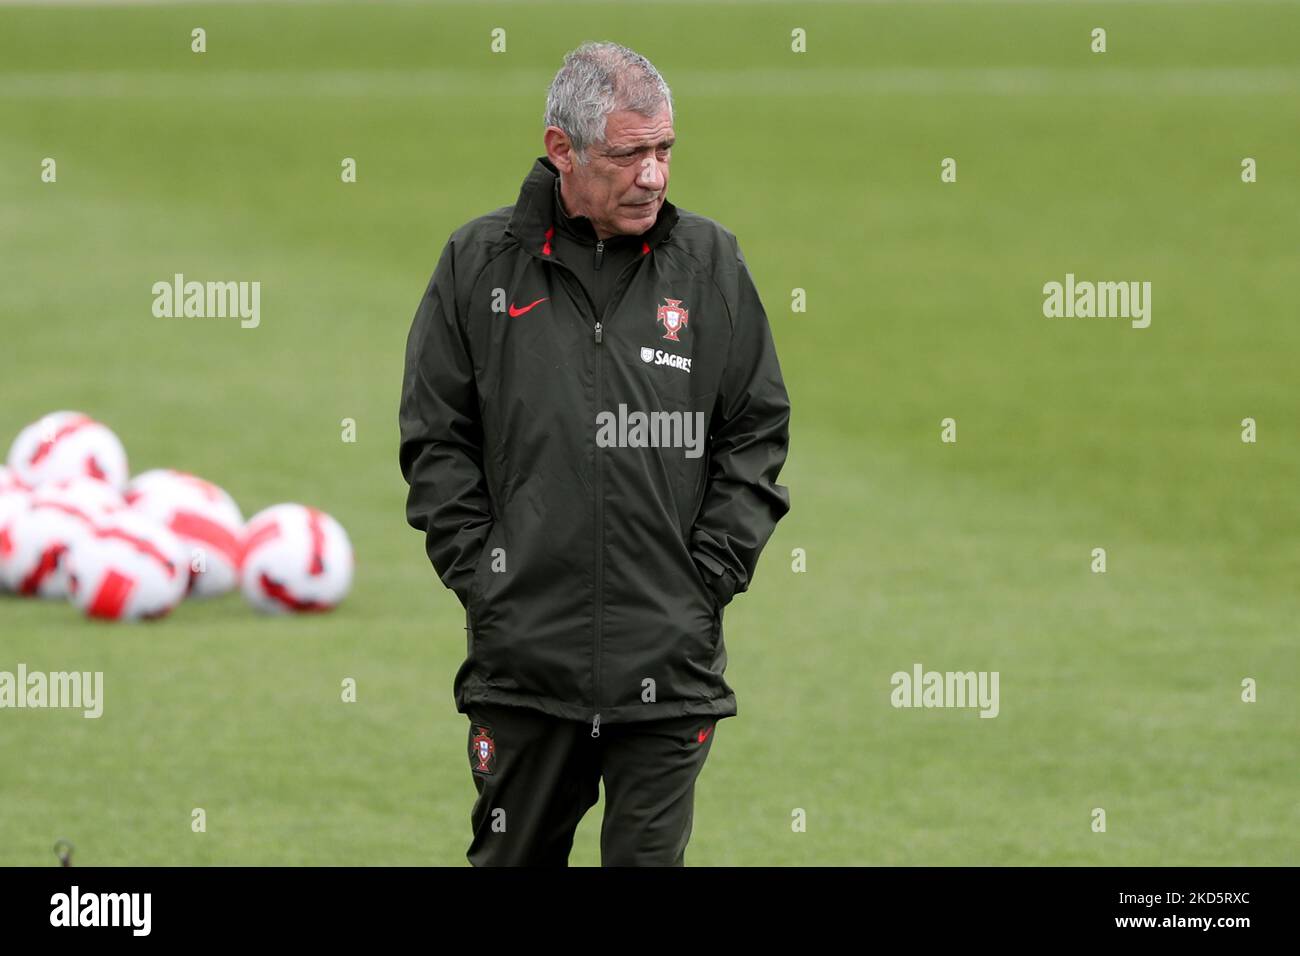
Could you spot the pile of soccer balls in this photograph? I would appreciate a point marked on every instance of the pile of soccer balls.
(74, 526)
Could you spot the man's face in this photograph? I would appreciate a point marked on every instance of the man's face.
(624, 182)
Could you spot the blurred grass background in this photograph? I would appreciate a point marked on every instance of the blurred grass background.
(1118, 691)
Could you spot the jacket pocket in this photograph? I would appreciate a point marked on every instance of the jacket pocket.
(690, 474)
(481, 570)
(712, 598)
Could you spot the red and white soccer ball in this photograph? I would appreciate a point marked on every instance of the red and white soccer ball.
(127, 567)
(65, 445)
(205, 519)
(296, 559)
(9, 482)
(13, 502)
(37, 539)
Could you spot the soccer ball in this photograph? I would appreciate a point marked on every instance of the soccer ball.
(296, 559)
(205, 519)
(66, 445)
(127, 567)
(9, 482)
(37, 539)
(13, 502)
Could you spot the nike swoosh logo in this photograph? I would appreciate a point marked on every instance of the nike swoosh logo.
(515, 313)
(704, 734)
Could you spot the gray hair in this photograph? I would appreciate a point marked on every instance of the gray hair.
(598, 79)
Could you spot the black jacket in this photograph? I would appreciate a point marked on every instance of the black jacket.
(597, 264)
(593, 577)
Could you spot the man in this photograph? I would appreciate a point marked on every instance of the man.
(593, 421)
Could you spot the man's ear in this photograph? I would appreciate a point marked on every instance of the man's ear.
(559, 150)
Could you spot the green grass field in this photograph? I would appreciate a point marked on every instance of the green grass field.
(1118, 690)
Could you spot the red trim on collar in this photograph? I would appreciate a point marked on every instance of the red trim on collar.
(546, 246)
(645, 247)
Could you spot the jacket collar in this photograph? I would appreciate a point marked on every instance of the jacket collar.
(535, 213)
(580, 227)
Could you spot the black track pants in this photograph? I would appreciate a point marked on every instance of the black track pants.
(537, 775)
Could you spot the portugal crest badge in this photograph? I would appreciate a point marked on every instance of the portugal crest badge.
(482, 749)
(672, 317)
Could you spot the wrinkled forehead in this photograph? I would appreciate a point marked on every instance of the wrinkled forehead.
(629, 128)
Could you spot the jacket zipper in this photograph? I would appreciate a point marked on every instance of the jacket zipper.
(600, 535)
(598, 336)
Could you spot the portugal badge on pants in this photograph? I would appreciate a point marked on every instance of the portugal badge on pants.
(482, 750)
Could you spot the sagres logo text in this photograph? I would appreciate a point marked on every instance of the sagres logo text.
(660, 357)
(922, 688)
(624, 429)
(179, 299)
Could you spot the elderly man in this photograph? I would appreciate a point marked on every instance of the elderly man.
(593, 421)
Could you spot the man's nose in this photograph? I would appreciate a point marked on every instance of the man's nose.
(651, 176)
